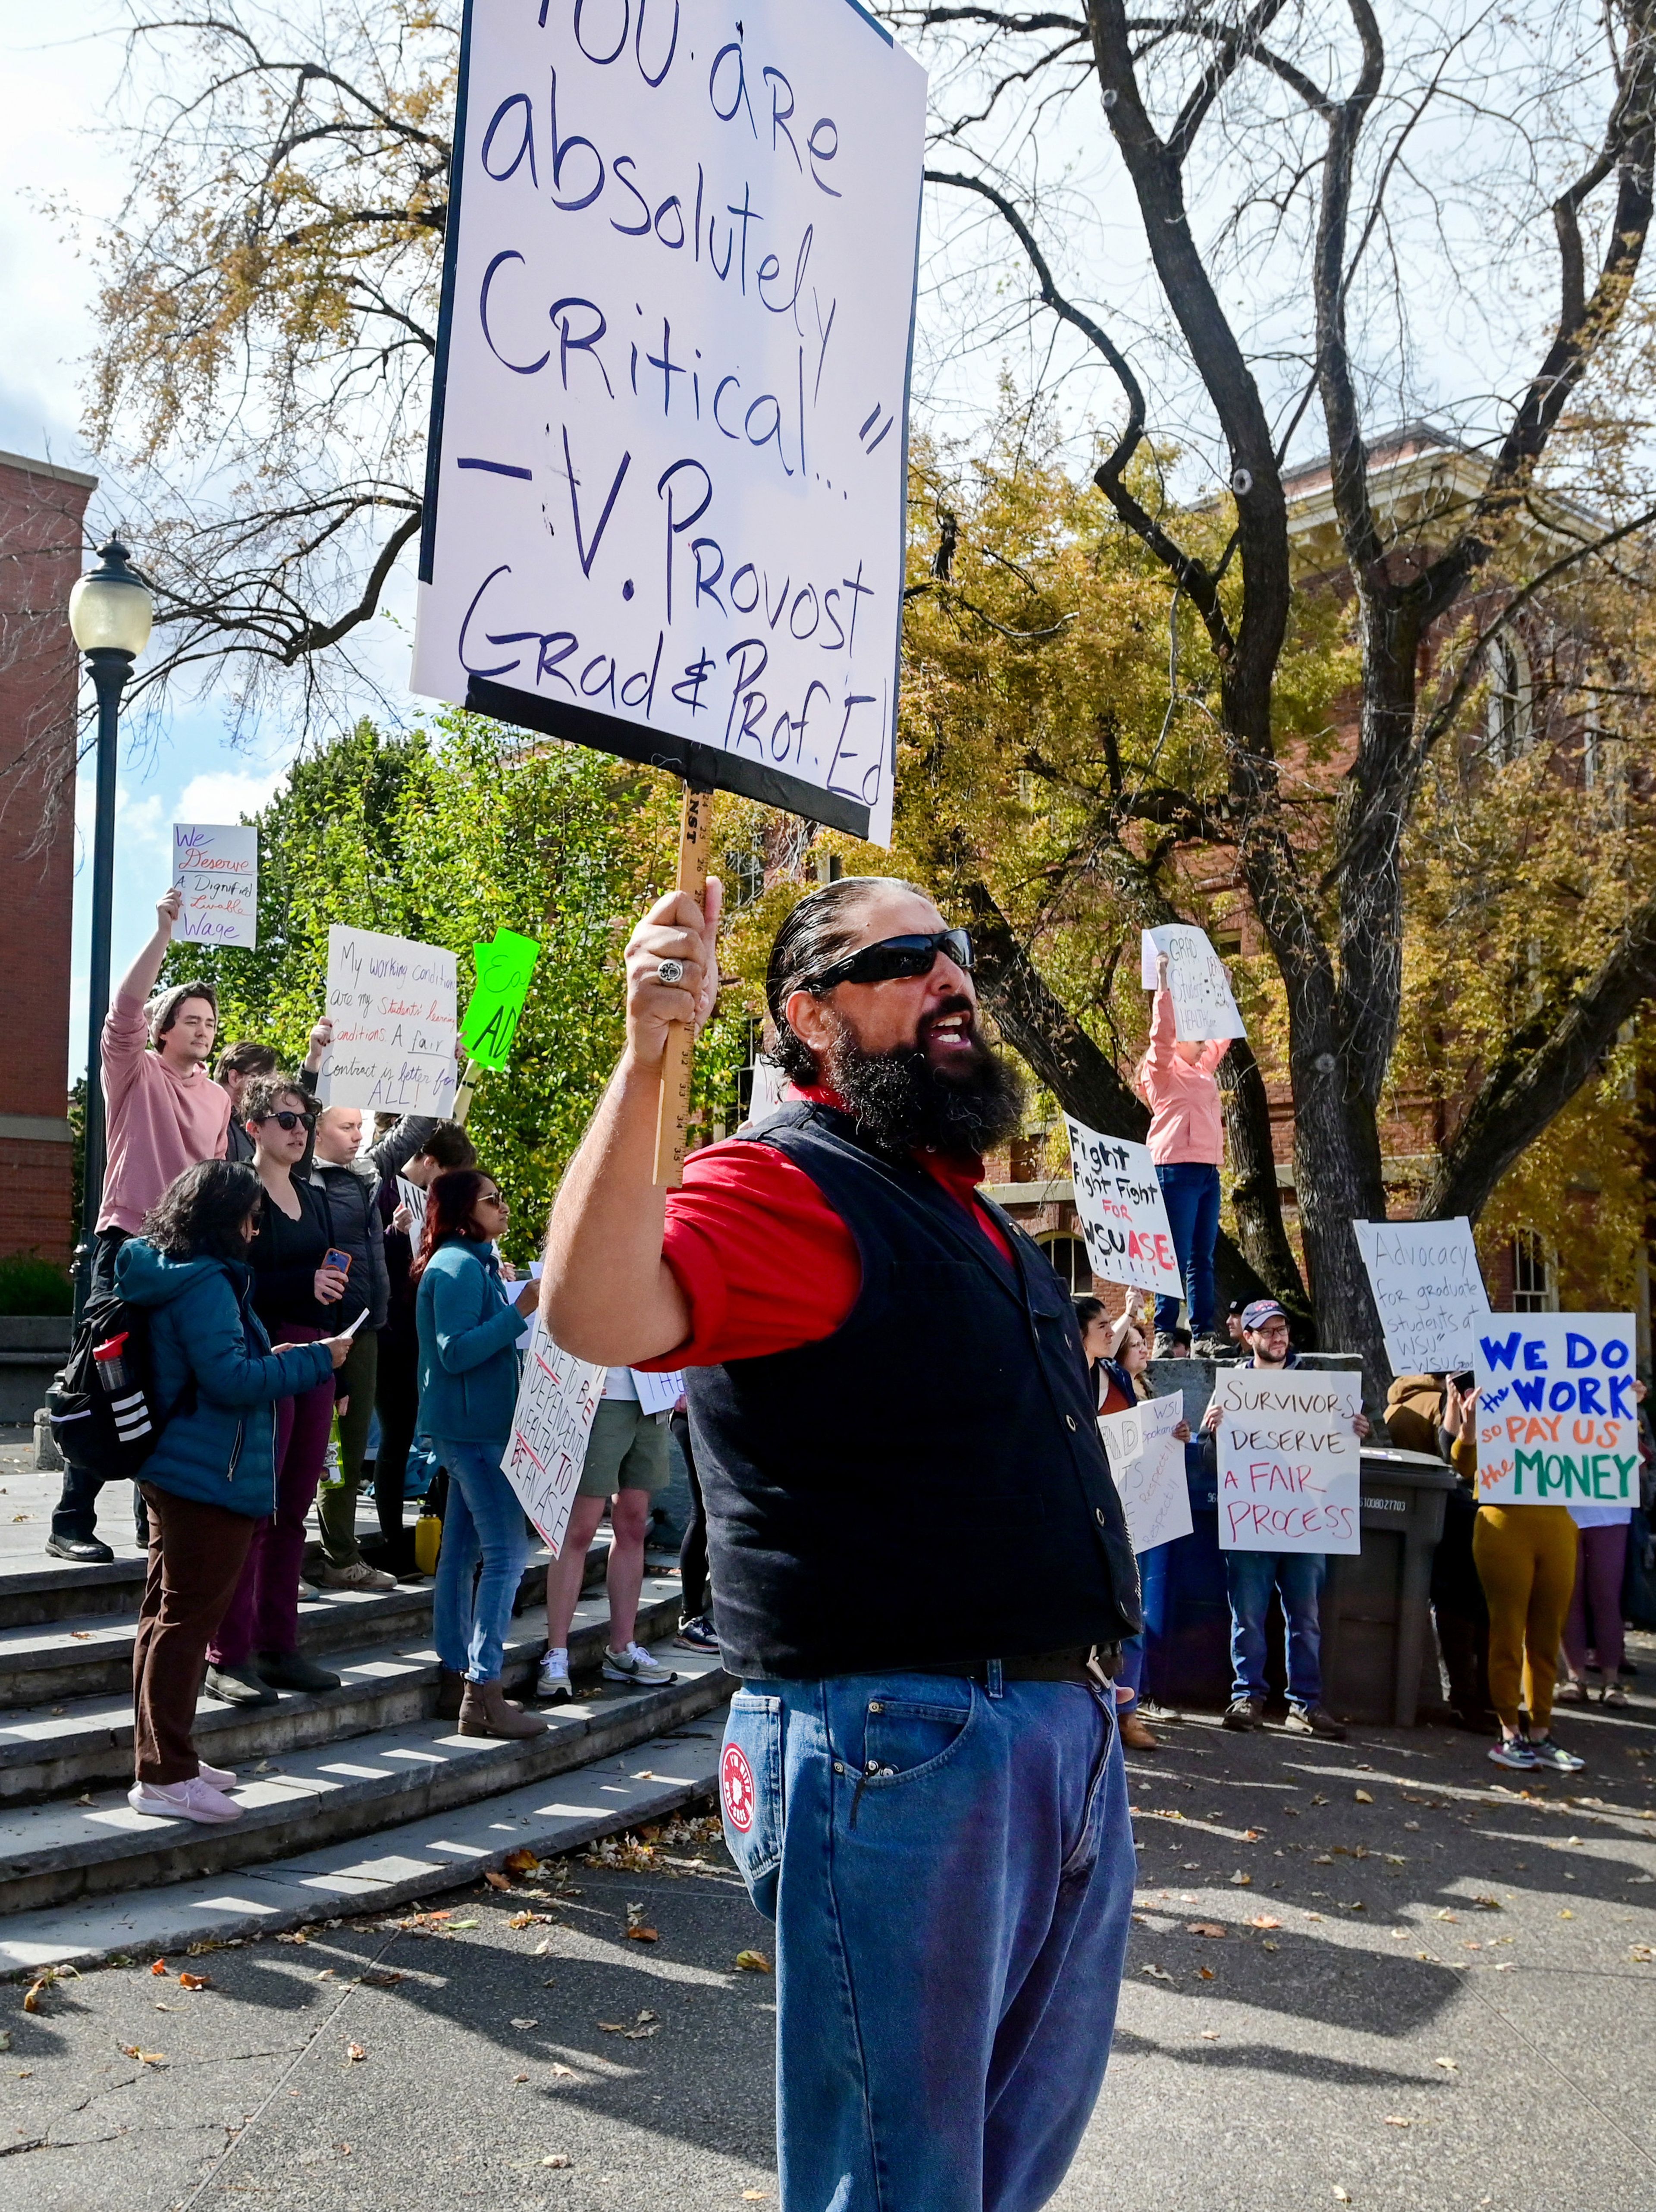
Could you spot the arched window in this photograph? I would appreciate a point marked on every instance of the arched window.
(1507, 725)
(1535, 1276)
(1070, 1263)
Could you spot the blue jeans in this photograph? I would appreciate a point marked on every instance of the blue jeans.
(1189, 1189)
(483, 1515)
(1153, 1590)
(1250, 1580)
(951, 1873)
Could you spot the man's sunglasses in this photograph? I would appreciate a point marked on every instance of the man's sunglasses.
(895, 956)
(290, 1121)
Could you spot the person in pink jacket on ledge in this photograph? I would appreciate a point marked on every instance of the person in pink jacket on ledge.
(1179, 1083)
(165, 1114)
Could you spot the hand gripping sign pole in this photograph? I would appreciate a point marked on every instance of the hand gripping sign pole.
(666, 476)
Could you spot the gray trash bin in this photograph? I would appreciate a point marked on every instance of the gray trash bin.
(1376, 1607)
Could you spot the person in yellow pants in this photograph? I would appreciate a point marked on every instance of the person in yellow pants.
(1525, 1558)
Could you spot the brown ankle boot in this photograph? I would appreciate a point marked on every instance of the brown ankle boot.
(1134, 1735)
(451, 1688)
(485, 1711)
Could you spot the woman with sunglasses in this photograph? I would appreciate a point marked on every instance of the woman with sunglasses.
(469, 1325)
(256, 1650)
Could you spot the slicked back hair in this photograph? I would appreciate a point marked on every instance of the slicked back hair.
(821, 929)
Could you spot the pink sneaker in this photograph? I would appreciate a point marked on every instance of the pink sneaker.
(195, 1800)
(219, 1777)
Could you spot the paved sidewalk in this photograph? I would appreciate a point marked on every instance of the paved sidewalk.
(1456, 2008)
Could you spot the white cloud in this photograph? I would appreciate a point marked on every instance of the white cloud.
(226, 794)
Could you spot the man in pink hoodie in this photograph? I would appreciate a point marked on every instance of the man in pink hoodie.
(164, 1113)
(1178, 1082)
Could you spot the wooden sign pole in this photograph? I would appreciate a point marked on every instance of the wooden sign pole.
(672, 1123)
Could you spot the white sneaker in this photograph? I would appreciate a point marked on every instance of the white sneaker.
(195, 1800)
(308, 1592)
(219, 1777)
(553, 1681)
(356, 1574)
(635, 1664)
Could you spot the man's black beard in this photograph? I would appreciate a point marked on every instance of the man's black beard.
(904, 1103)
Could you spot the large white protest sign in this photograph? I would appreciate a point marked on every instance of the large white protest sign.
(392, 1004)
(1148, 1463)
(666, 477)
(216, 865)
(1202, 1004)
(1557, 1422)
(1122, 1212)
(1427, 1291)
(1291, 1465)
(551, 1422)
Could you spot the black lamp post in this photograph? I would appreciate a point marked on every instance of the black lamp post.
(110, 611)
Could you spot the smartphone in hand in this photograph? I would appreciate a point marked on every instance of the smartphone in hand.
(336, 1258)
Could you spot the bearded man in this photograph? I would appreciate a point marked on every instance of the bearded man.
(921, 1570)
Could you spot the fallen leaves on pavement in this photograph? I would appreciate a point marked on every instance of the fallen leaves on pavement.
(195, 1981)
(1205, 1928)
(145, 2057)
(355, 2053)
(647, 2025)
(752, 1962)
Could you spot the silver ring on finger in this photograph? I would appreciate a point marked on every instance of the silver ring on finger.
(670, 971)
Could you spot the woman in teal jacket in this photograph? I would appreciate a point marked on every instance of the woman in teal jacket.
(468, 1329)
(211, 1477)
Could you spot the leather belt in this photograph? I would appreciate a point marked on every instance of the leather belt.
(1087, 1664)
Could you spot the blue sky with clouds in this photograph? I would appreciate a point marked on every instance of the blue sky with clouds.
(53, 149)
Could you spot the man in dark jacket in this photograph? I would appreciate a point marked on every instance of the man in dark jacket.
(352, 1179)
(921, 1779)
(1254, 1579)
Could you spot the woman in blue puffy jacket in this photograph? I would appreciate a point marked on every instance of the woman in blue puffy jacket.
(469, 1326)
(211, 1477)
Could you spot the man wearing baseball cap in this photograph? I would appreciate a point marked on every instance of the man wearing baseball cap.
(1252, 1578)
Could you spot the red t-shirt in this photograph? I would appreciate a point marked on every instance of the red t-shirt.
(764, 1260)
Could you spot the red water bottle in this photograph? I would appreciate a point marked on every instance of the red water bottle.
(110, 1360)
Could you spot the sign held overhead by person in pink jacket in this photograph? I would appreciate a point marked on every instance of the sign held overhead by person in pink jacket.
(1203, 1004)
(1177, 1080)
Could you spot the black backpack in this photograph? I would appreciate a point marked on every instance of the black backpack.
(102, 1403)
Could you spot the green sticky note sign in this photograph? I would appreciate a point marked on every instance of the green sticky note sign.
(505, 969)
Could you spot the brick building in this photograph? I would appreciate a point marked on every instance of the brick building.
(42, 507)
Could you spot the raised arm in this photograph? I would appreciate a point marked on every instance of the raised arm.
(140, 979)
(607, 1295)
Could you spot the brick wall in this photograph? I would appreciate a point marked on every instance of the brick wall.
(42, 507)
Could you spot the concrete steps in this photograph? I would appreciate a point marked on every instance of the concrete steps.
(58, 1853)
(643, 1784)
(318, 1772)
(380, 1644)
